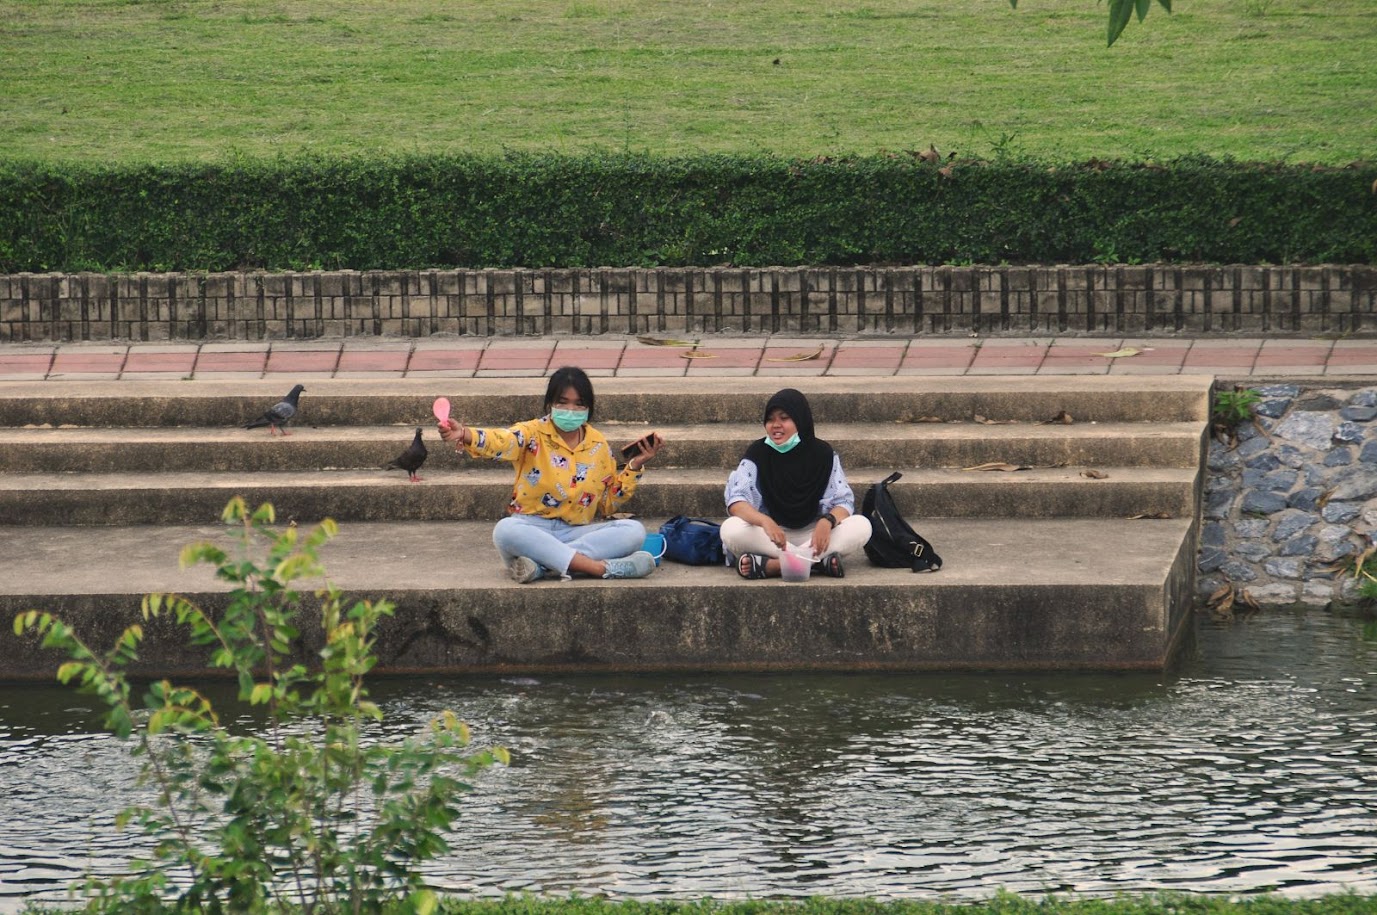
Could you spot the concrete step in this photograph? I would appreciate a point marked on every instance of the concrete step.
(717, 445)
(101, 484)
(449, 493)
(1012, 594)
(674, 401)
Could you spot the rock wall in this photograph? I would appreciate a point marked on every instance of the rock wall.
(1295, 497)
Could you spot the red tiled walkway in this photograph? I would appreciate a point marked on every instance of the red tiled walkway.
(776, 356)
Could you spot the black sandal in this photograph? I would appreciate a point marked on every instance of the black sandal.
(831, 566)
(751, 565)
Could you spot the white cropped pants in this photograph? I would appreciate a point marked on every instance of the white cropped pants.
(740, 536)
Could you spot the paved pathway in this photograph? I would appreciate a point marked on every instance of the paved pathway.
(781, 356)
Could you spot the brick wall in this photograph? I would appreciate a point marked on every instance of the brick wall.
(829, 300)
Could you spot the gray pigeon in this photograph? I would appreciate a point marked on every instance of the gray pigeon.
(279, 414)
(411, 459)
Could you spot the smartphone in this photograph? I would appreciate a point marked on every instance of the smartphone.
(639, 445)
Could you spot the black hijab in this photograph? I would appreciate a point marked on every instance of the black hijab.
(792, 484)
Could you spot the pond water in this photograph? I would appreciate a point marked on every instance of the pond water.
(1251, 767)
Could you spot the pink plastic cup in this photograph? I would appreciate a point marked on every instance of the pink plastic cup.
(793, 567)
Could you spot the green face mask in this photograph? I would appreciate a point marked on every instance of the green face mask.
(568, 420)
(787, 446)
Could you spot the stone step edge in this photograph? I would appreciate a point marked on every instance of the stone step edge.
(1016, 397)
(534, 386)
(1011, 595)
(615, 431)
(362, 448)
(461, 477)
(459, 555)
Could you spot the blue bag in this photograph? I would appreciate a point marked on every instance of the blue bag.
(693, 541)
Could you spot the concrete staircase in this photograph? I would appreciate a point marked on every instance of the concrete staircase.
(101, 484)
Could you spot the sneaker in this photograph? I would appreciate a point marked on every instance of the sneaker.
(637, 565)
(524, 570)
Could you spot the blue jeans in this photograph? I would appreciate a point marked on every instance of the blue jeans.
(552, 543)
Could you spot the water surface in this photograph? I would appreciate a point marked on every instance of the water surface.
(1251, 767)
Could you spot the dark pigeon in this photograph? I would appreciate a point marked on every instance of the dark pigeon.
(411, 459)
(279, 414)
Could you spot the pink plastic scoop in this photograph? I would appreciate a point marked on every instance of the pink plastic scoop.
(441, 409)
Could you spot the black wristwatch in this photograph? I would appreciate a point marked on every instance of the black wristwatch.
(830, 519)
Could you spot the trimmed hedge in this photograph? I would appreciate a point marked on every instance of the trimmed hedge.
(625, 210)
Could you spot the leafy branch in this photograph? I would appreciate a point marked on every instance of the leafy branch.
(312, 814)
(1121, 11)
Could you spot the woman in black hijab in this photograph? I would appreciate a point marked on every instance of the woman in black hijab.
(790, 489)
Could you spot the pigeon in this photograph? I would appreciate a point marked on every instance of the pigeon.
(411, 459)
(279, 414)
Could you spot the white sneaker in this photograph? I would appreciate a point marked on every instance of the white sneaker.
(524, 570)
(637, 565)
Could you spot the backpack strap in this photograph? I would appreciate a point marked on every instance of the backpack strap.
(891, 478)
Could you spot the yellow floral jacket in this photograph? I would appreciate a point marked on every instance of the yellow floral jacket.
(552, 480)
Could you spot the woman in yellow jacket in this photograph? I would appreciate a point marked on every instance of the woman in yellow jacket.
(566, 476)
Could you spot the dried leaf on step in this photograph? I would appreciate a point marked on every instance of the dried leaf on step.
(1061, 419)
(999, 465)
(1151, 516)
(985, 421)
(1222, 600)
(929, 419)
(1363, 557)
(798, 357)
(697, 354)
(1120, 353)
(1094, 474)
(621, 516)
(657, 341)
(1247, 600)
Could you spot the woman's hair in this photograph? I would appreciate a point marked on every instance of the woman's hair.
(570, 377)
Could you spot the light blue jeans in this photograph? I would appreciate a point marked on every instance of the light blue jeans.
(552, 543)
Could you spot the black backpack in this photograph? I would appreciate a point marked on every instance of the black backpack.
(893, 544)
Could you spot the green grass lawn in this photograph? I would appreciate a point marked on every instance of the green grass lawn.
(171, 80)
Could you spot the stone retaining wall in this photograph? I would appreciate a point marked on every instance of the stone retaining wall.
(1296, 499)
(838, 300)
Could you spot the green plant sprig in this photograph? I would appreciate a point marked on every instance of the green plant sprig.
(1231, 409)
